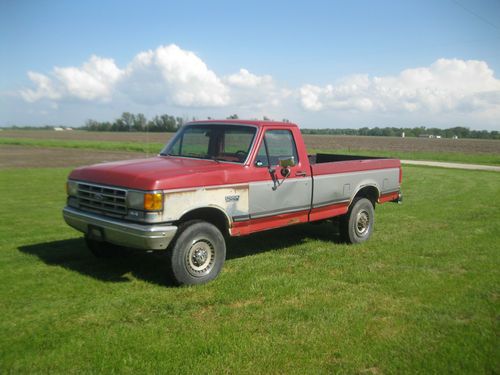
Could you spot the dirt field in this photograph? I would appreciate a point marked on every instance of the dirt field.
(326, 142)
(87, 136)
(34, 157)
(468, 146)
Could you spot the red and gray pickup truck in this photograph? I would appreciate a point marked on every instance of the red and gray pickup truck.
(224, 178)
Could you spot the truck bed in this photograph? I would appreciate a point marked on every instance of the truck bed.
(337, 179)
(322, 164)
(330, 158)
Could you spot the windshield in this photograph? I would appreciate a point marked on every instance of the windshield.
(211, 141)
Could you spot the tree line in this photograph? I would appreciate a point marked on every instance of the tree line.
(166, 123)
(458, 131)
(128, 122)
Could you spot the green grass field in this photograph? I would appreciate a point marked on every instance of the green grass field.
(155, 147)
(422, 296)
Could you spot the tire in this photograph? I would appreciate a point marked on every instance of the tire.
(197, 254)
(357, 225)
(103, 249)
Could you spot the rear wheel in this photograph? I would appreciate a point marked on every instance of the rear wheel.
(357, 225)
(197, 254)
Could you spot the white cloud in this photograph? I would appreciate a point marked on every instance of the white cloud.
(245, 79)
(446, 85)
(172, 74)
(94, 80)
(44, 88)
(249, 90)
(312, 97)
(169, 76)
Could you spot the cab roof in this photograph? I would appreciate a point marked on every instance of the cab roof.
(257, 123)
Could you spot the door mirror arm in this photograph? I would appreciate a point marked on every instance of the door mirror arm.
(285, 172)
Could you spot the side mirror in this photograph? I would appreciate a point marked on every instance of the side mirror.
(285, 164)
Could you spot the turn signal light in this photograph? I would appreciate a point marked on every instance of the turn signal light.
(153, 201)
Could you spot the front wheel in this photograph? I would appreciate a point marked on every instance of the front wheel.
(357, 225)
(198, 253)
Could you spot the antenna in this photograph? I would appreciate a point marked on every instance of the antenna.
(147, 139)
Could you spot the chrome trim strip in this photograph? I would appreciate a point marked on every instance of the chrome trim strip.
(328, 175)
(114, 203)
(207, 187)
(291, 209)
(107, 195)
(123, 233)
(279, 212)
(101, 186)
(241, 218)
(194, 158)
(390, 191)
(102, 210)
(91, 209)
(330, 202)
(114, 187)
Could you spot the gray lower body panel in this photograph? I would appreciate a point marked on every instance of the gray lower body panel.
(344, 186)
(118, 232)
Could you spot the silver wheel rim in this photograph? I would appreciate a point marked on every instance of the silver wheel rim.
(200, 258)
(362, 224)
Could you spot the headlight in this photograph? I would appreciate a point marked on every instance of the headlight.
(72, 188)
(135, 200)
(145, 201)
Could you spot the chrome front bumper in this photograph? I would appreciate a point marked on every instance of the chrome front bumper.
(118, 232)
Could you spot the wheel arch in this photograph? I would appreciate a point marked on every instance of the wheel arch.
(368, 191)
(210, 214)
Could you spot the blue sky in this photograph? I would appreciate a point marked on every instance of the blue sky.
(319, 63)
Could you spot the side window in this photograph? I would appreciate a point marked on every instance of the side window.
(280, 144)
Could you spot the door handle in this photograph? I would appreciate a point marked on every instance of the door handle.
(300, 174)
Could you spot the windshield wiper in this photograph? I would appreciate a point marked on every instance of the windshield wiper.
(195, 156)
(216, 159)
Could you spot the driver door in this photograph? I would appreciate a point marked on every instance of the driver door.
(270, 197)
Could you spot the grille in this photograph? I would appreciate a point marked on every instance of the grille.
(103, 199)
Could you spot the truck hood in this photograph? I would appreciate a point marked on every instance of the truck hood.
(159, 173)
